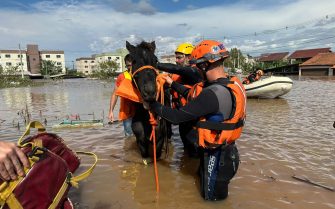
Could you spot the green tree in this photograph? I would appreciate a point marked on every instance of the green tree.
(1, 70)
(11, 70)
(237, 60)
(49, 67)
(106, 70)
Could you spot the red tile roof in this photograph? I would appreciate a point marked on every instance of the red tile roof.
(272, 57)
(321, 59)
(308, 53)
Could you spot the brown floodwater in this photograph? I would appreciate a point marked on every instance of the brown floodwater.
(293, 135)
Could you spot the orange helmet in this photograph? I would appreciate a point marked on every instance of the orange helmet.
(210, 51)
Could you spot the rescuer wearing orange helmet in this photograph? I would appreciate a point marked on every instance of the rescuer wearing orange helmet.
(216, 109)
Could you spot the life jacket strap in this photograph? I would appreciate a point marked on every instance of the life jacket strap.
(217, 126)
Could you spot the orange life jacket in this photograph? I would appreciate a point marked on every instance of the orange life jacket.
(213, 134)
(177, 100)
(129, 95)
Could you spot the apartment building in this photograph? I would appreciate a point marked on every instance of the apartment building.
(55, 56)
(14, 59)
(31, 59)
(86, 65)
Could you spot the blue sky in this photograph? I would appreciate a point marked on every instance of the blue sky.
(85, 27)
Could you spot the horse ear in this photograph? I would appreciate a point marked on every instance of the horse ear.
(153, 46)
(129, 46)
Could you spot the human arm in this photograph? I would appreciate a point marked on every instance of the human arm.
(112, 104)
(202, 105)
(190, 74)
(12, 160)
(179, 88)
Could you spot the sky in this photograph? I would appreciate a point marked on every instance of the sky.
(82, 28)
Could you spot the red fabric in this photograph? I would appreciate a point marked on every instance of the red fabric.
(119, 79)
(43, 181)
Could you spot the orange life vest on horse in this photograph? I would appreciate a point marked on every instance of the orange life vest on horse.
(213, 134)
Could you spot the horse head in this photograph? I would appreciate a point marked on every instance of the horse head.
(143, 68)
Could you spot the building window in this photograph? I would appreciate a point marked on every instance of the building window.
(86, 66)
(18, 56)
(59, 63)
(85, 61)
(8, 64)
(109, 58)
(47, 56)
(117, 58)
(91, 61)
(86, 71)
(34, 59)
(7, 55)
(58, 56)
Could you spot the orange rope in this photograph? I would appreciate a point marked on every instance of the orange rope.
(160, 81)
(154, 123)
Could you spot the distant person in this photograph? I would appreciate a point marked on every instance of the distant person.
(126, 107)
(216, 111)
(255, 76)
(182, 71)
(186, 75)
(12, 161)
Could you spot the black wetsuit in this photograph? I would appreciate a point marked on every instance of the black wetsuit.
(189, 75)
(205, 104)
(214, 99)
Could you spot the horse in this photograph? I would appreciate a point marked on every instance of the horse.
(144, 74)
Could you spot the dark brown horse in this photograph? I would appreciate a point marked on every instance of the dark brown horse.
(144, 77)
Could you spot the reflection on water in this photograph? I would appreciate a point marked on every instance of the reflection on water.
(293, 135)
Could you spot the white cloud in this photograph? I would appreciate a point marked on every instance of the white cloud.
(82, 29)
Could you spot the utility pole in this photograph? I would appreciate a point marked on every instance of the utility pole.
(21, 65)
(238, 59)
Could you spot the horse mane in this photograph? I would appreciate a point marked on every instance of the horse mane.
(146, 45)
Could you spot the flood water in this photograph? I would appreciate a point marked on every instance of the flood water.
(293, 135)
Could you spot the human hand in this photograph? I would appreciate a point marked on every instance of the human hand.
(111, 116)
(168, 80)
(12, 160)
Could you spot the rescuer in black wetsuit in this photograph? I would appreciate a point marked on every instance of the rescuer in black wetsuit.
(184, 74)
(215, 99)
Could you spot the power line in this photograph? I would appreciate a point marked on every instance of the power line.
(288, 46)
(275, 30)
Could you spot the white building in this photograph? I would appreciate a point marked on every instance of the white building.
(111, 57)
(86, 65)
(55, 56)
(31, 59)
(12, 59)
